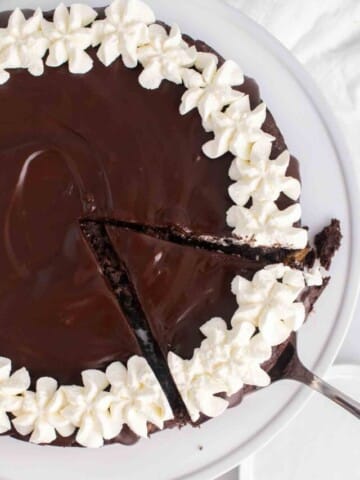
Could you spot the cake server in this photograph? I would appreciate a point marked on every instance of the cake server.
(296, 370)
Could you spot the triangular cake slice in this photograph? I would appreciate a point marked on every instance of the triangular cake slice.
(182, 287)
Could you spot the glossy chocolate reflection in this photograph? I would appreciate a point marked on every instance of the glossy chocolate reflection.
(57, 315)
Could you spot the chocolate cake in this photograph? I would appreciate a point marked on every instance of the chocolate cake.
(139, 240)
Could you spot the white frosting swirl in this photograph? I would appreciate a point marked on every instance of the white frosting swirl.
(12, 387)
(237, 129)
(260, 178)
(165, 57)
(68, 38)
(123, 31)
(210, 89)
(137, 397)
(269, 302)
(263, 224)
(40, 413)
(22, 45)
(87, 408)
(314, 276)
(224, 362)
(98, 409)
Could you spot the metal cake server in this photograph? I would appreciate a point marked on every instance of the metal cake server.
(295, 370)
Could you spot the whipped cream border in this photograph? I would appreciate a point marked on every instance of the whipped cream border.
(269, 310)
(227, 358)
(96, 410)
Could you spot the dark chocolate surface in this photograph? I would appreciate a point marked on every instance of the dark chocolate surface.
(180, 287)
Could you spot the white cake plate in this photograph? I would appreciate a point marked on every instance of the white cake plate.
(328, 191)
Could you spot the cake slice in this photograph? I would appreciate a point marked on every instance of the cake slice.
(182, 287)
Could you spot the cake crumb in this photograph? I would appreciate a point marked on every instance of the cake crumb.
(327, 242)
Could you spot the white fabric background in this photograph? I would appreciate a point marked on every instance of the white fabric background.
(324, 35)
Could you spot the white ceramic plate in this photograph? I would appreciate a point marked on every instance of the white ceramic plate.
(328, 191)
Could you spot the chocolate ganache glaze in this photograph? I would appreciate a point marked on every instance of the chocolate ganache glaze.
(79, 151)
(180, 287)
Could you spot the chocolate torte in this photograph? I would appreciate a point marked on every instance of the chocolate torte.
(154, 265)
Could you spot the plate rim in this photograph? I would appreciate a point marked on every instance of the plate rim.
(352, 292)
(340, 371)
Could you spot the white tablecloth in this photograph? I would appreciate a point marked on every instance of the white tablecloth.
(324, 35)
